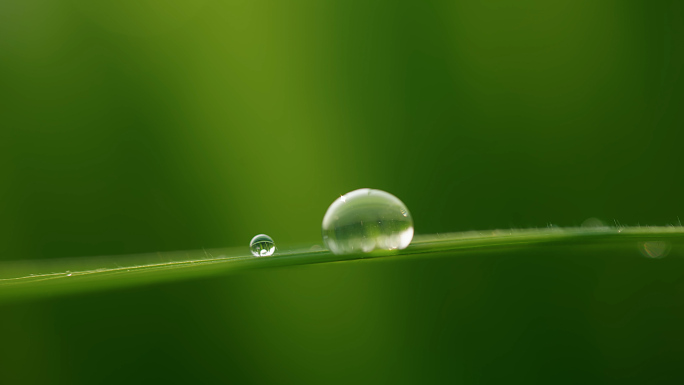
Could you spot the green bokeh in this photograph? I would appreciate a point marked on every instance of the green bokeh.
(143, 126)
(147, 125)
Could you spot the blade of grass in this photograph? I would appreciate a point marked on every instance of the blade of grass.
(35, 279)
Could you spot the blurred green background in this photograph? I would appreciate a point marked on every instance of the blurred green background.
(148, 125)
(138, 126)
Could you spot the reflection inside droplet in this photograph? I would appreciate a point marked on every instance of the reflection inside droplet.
(654, 249)
(262, 245)
(365, 220)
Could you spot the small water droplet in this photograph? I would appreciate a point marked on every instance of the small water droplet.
(593, 223)
(68, 273)
(262, 245)
(365, 220)
(654, 249)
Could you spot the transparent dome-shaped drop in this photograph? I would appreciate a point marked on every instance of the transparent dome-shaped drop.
(365, 220)
(262, 246)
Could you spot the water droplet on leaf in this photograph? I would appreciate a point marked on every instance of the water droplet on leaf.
(262, 245)
(365, 220)
(593, 223)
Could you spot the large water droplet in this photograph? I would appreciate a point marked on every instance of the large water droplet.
(365, 220)
(262, 245)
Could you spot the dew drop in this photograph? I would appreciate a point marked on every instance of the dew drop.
(262, 245)
(365, 220)
(593, 223)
